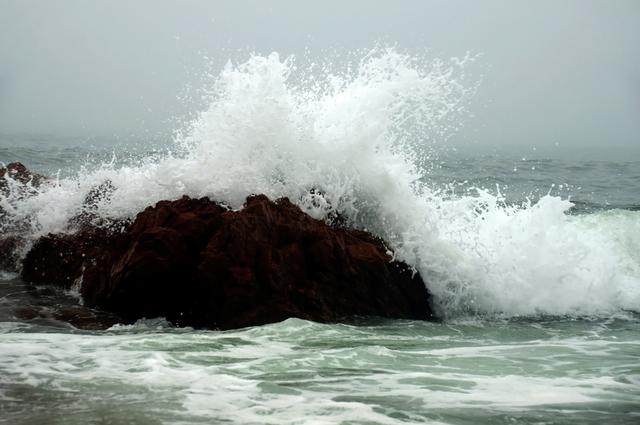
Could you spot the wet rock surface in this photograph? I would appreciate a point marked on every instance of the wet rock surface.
(9, 252)
(198, 264)
(60, 259)
(18, 182)
(17, 172)
(89, 218)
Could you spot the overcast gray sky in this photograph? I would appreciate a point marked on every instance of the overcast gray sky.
(565, 72)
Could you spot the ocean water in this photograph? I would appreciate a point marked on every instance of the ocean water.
(533, 261)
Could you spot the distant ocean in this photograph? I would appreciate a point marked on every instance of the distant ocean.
(534, 264)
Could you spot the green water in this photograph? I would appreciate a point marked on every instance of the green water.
(544, 371)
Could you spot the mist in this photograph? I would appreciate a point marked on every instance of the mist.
(555, 77)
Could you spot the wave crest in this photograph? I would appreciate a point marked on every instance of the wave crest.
(357, 144)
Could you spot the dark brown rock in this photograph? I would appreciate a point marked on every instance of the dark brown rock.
(198, 264)
(75, 315)
(88, 217)
(157, 256)
(58, 259)
(9, 252)
(18, 172)
(15, 180)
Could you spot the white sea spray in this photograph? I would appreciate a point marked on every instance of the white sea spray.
(356, 142)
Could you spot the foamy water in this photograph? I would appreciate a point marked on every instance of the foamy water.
(297, 372)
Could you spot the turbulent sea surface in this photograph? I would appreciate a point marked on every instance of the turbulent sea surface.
(534, 264)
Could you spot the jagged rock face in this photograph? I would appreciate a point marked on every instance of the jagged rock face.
(15, 180)
(59, 259)
(9, 256)
(150, 271)
(88, 217)
(198, 264)
(18, 172)
(17, 177)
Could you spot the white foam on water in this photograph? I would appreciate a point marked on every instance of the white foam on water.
(358, 142)
(271, 375)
